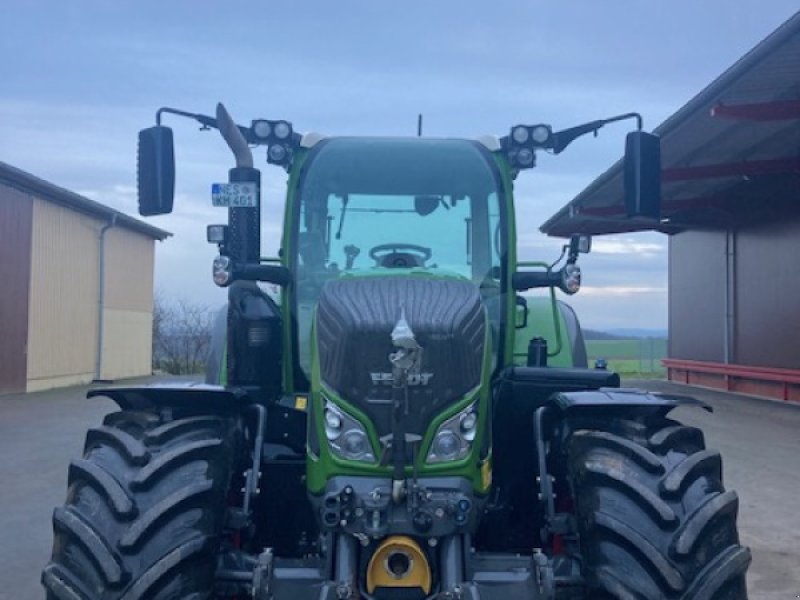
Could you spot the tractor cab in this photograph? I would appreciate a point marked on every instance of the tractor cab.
(406, 208)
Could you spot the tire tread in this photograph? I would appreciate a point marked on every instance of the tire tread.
(145, 509)
(103, 481)
(69, 520)
(133, 450)
(647, 531)
(60, 584)
(173, 458)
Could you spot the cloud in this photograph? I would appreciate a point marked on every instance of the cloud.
(121, 197)
(619, 291)
(625, 246)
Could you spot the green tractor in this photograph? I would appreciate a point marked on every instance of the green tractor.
(391, 419)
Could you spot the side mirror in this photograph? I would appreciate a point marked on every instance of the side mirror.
(643, 175)
(155, 173)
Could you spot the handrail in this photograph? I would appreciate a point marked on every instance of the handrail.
(553, 303)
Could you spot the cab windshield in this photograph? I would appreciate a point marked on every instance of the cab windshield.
(373, 206)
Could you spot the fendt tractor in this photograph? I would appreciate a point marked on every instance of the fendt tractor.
(388, 417)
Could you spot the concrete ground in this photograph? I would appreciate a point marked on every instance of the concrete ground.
(759, 441)
(760, 445)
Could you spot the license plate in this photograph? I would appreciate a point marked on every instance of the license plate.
(234, 195)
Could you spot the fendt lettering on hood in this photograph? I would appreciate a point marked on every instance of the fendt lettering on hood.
(414, 379)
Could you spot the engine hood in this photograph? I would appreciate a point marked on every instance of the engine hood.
(354, 321)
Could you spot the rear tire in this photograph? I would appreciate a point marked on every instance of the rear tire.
(145, 509)
(653, 517)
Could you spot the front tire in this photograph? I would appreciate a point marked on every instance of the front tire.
(654, 519)
(145, 510)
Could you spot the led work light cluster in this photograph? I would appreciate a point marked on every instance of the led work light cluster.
(277, 136)
(522, 142)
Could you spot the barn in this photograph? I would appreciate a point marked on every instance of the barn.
(76, 302)
(731, 209)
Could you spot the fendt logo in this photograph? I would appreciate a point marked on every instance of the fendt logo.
(413, 378)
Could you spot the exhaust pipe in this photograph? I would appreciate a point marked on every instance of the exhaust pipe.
(234, 138)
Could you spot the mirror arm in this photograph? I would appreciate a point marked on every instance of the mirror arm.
(626, 116)
(526, 280)
(277, 274)
(204, 120)
(562, 139)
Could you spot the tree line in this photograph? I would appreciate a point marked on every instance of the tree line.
(181, 335)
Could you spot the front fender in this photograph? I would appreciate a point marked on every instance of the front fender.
(612, 399)
(200, 396)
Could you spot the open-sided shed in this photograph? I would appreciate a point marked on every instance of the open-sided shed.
(731, 206)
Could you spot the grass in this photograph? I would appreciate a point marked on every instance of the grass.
(630, 358)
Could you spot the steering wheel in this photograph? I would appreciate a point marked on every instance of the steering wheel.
(400, 255)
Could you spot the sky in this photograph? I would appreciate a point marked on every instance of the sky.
(78, 79)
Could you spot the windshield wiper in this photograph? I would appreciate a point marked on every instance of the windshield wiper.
(345, 200)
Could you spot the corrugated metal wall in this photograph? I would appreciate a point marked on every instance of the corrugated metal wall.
(697, 295)
(16, 210)
(765, 300)
(63, 317)
(62, 322)
(127, 330)
(768, 295)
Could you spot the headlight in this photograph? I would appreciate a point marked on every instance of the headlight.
(333, 424)
(454, 437)
(346, 436)
(468, 426)
(446, 445)
(221, 270)
(355, 444)
(571, 278)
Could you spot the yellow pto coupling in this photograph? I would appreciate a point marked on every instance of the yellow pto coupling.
(399, 562)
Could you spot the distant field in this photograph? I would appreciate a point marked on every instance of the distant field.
(627, 357)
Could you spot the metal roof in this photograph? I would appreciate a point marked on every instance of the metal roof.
(26, 182)
(731, 153)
